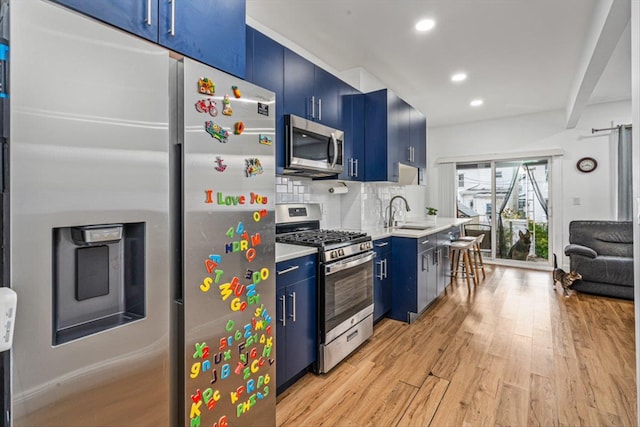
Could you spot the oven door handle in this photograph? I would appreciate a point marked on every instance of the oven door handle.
(343, 265)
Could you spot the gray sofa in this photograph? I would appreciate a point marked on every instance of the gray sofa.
(602, 251)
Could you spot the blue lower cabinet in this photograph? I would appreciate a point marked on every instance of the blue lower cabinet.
(296, 327)
(382, 279)
(415, 277)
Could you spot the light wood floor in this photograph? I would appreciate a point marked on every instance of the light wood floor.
(512, 352)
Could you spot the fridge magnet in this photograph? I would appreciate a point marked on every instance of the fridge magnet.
(221, 166)
(265, 140)
(239, 128)
(226, 106)
(263, 109)
(216, 131)
(236, 91)
(207, 106)
(253, 167)
(206, 86)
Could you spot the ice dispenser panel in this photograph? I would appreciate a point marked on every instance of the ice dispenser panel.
(98, 278)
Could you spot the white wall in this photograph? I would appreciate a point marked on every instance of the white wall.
(595, 192)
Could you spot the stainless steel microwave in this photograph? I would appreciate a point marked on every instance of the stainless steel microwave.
(312, 149)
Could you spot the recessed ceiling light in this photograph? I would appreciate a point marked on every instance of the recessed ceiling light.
(458, 77)
(425, 24)
(476, 102)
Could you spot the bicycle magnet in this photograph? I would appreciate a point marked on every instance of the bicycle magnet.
(239, 128)
(207, 106)
(216, 131)
(265, 140)
(206, 86)
(236, 91)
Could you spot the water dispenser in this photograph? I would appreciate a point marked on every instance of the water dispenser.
(98, 278)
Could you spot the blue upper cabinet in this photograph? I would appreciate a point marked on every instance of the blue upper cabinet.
(381, 135)
(310, 91)
(265, 68)
(135, 16)
(395, 133)
(210, 31)
(298, 91)
(353, 126)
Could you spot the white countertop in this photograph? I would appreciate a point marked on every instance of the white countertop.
(440, 225)
(286, 252)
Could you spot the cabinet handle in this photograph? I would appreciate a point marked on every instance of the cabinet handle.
(425, 242)
(172, 29)
(380, 245)
(313, 107)
(355, 161)
(284, 311)
(385, 268)
(413, 153)
(288, 270)
(148, 20)
(293, 302)
(319, 108)
(381, 264)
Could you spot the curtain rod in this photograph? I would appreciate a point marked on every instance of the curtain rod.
(617, 128)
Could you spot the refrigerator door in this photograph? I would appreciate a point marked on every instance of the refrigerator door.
(89, 222)
(228, 171)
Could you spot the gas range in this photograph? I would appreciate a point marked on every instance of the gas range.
(299, 224)
(345, 280)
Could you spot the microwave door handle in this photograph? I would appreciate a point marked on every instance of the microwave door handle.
(335, 150)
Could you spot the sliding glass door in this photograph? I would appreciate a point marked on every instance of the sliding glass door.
(507, 202)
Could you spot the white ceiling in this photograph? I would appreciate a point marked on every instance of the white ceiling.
(521, 56)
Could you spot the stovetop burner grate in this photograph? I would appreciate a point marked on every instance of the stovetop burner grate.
(320, 238)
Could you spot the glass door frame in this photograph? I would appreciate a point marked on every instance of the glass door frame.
(494, 218)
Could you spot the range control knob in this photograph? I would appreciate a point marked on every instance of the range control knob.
(341, 252)
(333, 254)
(365, 245)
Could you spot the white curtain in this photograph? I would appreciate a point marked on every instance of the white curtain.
(447, 190)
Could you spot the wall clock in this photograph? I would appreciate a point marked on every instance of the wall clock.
(587, 164)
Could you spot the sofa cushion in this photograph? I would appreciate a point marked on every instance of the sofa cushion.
(604, 269)
(614, 238)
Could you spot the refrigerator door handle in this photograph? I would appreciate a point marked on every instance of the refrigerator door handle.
(172, 29)
(283, 299)
(148, 20)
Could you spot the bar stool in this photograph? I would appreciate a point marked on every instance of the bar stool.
(477, 253)
(461, 248)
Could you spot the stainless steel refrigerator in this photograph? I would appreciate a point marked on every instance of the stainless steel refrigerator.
(141, 231)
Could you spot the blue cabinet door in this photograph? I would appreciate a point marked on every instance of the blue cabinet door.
(281, 338)
(248, 63)
(301, 342)
(403, 143)
(376, 119)
(325, 90)
(404, 269)
(298, 90)
(419, 138)
(382, 278)
(139, 17)
(268, 72)
(353, 126)
(210, 31)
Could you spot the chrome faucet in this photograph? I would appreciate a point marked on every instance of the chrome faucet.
(391, 222)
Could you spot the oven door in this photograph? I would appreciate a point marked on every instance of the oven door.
(347, 290)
